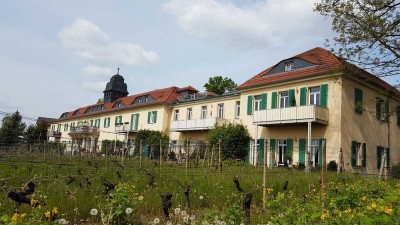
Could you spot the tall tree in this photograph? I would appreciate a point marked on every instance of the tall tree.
(368, 33)
(219, 85)
(36, 132)
(12, 128)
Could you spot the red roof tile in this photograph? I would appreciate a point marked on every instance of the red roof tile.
(325, 62)
(161, 96)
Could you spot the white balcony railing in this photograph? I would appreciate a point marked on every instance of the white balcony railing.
(126, 127)
(195, 124)
(298, 114)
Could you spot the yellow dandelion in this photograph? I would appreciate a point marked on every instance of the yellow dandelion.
(55, 210)
(22, 216)
(47, 214)
(389, 210)
(14, 218)
(324, 215)
(33, 202)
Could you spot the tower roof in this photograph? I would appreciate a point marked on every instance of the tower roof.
(116, 84)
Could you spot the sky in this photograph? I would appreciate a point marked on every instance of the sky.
(57, 56)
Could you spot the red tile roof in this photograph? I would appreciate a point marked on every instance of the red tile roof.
(325, 62)
(161, 96)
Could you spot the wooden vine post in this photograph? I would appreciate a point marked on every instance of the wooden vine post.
(265, 175)
(323, 173)
(220, 156)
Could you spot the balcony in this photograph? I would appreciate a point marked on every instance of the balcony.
(195, 124)
(290, 115)
(54, 133)
(84, 131)
(126, 127)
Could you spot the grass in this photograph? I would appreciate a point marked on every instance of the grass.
(75, 200)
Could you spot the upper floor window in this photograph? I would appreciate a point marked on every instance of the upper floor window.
(358, 100)
(237, 107)
(314, 97)
(257, 103)
(176, 115)
(220, 113)
(289, 66)
(152, 117)
(119, 104)
(139, 100)
(284, 99)
(189, 113)
(146, 98)
(203, 112)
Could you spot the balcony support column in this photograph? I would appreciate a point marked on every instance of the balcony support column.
(308, 160)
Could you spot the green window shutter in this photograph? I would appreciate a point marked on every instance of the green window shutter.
(131, 122)
(378, 156)
(273, 100)
(248, 153)
(91, 123)
(303, 96)
(364, 149)
(378, 108)
(272, 145)
(320, 150)
(387, 112)
(292, 98)
(289, 149)
(388, 157)
(324, 95)
(353, 153)
(116, 120)
(105, 122)
(155, 116)
(398, 115)
(249, 104)
(264, 101)
(302, 151)
(137, 121)
(358, 101)
(120, 119)
(261, 150)
(109, 121)
(148, 117)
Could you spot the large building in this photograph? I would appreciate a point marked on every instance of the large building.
(293, 107)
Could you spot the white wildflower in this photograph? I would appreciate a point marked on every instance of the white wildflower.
(94, 212)
(201, 197)
(128, 211)
(156, 221)
(183, 213)
(177, 210)
(63, 221)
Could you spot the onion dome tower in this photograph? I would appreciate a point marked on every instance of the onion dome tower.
(115, 89)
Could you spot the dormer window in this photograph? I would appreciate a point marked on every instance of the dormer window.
(119, 104)
(289, 66)
(146, 98)
(139, 100)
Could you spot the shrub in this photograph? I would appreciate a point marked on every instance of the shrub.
(332, 166)
(395, 171)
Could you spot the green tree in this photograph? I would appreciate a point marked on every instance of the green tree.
(234, 137)
(12, 128)
(151, 139)
(35, 133)
(368, 33)
(219, 85)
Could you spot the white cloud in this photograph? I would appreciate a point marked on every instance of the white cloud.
(87, 41)
(96, 87)
(265, 23)
(98, 70)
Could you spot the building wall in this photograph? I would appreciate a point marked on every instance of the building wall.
(366, 128)
(212, 108)
(330, 132)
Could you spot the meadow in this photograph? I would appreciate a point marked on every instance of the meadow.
(99, 190)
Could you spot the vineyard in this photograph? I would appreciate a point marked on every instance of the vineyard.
(49, 188)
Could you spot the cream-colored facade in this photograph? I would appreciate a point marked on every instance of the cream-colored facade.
(291, 113)
(192, 119)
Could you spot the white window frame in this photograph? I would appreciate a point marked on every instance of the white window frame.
(237, 113)
(140, 100)
(284, 99)
(314, 96)
(359, 154)
(176, 114)
(189, 114)
(289, 65)
(282, 149)
(314, 147)
(220, 111)
(257, 102)
(152, 116)
(204, 112)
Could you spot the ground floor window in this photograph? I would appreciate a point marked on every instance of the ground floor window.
(282, 145)
(314, 152)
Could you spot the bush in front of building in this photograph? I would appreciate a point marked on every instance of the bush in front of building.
(395, 171)
(332, 166)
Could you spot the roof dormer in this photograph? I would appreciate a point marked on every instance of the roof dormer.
(289, 65)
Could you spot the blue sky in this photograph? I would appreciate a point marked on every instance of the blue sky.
(57, 56)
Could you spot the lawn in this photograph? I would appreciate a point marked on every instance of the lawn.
(73, 190)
